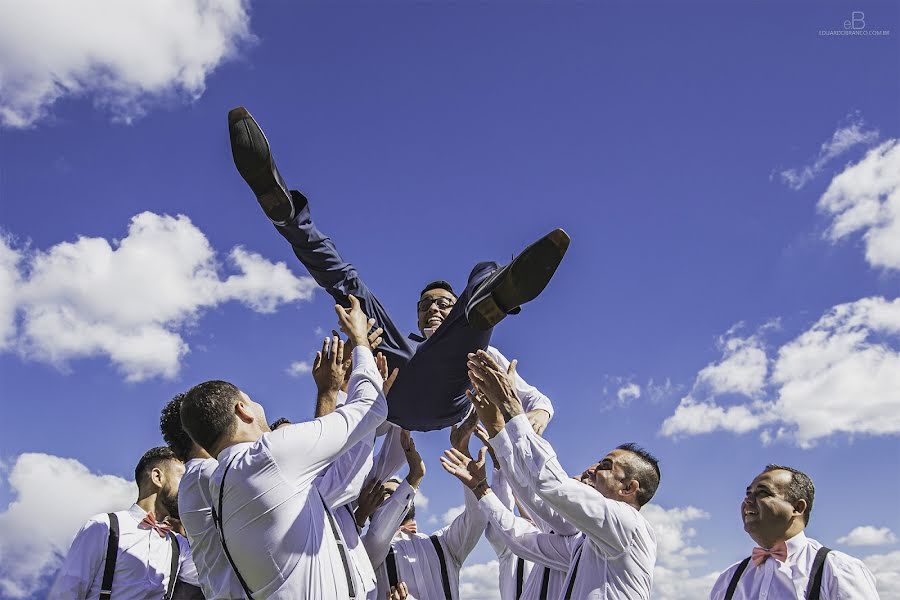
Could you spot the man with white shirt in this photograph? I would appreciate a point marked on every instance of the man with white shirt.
(787, 565)
(429, 393)
(615, 553)
(428, 565)
(281, 539)
(130, 554)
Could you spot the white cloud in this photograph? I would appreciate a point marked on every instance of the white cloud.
(886, 568)
(865, 198)
(842, 140)
(657, 392)
(842, 375)
(421, 501)
(742, 369)
(34, 532)
(480, 581)
(122, 54)
(298, 368)
(128, 300)
(867, 535)
(627, 393)
(9, 280)
(677, 553)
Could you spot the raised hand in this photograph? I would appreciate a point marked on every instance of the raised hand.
(353, 322)
(413, 459)
(482, 434)
(488, 413)
(469, 471)
(398, 592)
(370, 498)
(329, 366)
(462, 433)
(495, 384)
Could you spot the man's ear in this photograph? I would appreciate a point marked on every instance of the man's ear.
(156, 477)
(800, 507)
(631, 488)
(243, 412)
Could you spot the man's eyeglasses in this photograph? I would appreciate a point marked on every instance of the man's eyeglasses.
(441, 302)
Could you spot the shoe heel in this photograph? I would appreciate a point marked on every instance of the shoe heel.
(485, 314)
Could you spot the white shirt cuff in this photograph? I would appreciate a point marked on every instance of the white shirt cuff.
(518, 428)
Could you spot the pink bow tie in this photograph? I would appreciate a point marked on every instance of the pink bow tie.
(779, 552)
(150, 522)
(409, 528)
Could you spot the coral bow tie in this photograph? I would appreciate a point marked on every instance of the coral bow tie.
(409, 528)
(778, 551)
(150, 522)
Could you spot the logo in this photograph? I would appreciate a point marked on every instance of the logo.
(857, 20)
(855, 26)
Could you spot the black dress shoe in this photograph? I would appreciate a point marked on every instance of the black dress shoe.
(253, 159)
(518, 282)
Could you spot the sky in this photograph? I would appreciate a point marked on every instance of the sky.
(729, 174)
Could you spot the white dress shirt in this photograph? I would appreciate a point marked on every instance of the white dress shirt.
(616, 551)
(142, 564)
(512, 569)
(530, 397)
(843, 578)
(217, 580)
(274, 518)
(417, 561)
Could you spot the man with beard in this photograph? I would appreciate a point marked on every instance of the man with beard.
(132, 553)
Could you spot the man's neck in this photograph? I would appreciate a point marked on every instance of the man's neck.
(197, 452)
(147, 502)
(769, 542)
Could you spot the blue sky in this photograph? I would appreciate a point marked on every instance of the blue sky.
(694, 313)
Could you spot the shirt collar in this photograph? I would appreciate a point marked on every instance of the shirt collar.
(137, 512)
(226, 454)
(796, 543)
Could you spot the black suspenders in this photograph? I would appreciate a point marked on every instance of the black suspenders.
(573, 572)
(545, 583)
(813, 588)
(520, 576)
(112, 550)
(445, 577)
(391, 564)
(334, 530)
(732, 586)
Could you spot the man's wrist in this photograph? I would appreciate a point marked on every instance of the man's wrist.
(414, 479)
(481, 489)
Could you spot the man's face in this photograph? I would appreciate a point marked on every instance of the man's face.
(765, 512)
(433, 308)
(607, 476)
(172, 471)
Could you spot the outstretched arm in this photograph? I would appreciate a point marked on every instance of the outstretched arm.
(531, 461)
(304, 449)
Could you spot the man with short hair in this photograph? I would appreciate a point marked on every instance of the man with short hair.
(787, 565)
(430, 391)
(194, 506)
(615, 553)
(275, 527)
(429, 565)
(148, 555)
